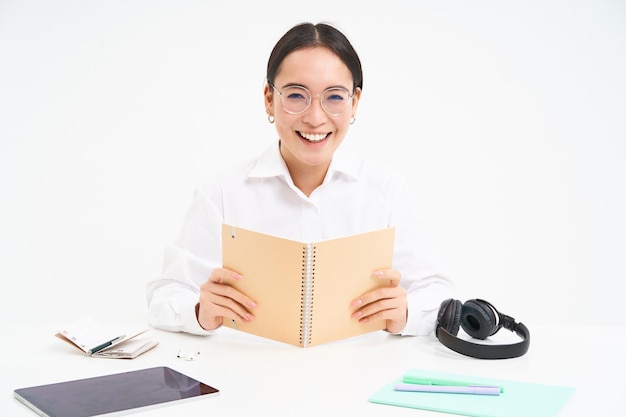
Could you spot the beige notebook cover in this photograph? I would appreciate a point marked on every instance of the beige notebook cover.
(304, 290)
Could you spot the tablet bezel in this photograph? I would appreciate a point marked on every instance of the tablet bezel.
(114, 394)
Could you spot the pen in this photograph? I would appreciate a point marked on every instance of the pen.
(105, 345)
(449, 389)
(443, 381)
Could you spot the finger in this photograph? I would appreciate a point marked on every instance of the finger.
(392, 275)
(378, 306)
(379, 294)
(229, 308)
(394, 316)
(395, 319)
(227, 292)
(220, 275)
(214, 306)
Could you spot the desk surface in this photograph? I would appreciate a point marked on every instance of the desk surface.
(258, 376)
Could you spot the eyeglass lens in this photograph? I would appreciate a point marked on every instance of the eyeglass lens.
(335, 101)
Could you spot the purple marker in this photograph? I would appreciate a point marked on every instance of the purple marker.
(450, 389)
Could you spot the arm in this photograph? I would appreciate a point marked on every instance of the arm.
(418, 281)
(188, 262)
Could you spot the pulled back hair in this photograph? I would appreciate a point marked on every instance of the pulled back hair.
(307, 35)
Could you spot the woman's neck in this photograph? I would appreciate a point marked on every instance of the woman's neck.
(308, 180)
(306, 177)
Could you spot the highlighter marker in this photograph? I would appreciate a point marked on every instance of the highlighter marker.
(449, 389)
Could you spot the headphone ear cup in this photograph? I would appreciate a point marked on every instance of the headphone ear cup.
(449, 316)
(478, 319)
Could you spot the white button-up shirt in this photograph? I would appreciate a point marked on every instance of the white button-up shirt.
(356, 196)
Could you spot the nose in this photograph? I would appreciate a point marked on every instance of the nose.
(315, 114)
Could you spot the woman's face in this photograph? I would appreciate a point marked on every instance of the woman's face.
(309, 139)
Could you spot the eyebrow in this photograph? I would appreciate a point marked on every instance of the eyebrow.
(308, 88)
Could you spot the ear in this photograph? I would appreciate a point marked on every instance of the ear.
(268, 95)
(355, 100)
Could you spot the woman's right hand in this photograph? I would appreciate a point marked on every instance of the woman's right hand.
(219, 300)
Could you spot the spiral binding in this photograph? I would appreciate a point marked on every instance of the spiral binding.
(306, 296)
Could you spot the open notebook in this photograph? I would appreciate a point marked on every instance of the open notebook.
(303, 290)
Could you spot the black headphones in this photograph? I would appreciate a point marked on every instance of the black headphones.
(479, 319)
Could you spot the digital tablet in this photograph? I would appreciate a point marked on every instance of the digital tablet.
(115, 394)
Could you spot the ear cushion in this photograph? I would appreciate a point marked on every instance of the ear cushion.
(478, 319)
(449, 316)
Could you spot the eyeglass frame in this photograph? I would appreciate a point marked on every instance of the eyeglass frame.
(311, 95)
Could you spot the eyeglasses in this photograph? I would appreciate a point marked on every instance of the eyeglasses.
(295, 100)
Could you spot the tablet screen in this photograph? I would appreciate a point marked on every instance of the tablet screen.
(113, 395)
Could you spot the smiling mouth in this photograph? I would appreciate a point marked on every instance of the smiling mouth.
(314, 137)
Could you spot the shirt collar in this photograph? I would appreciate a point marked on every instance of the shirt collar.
(271, 164)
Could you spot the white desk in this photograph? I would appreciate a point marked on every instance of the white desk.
(262, 377)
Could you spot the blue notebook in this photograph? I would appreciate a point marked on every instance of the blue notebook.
(518, 399)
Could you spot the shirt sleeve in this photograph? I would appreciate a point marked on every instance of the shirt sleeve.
(188, 262)
(416, 256)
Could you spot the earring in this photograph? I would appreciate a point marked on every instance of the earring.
(270, 118)
(352, 120)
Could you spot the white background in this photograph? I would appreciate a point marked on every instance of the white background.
(507, 116)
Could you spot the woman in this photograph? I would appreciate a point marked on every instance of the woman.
(302, 189)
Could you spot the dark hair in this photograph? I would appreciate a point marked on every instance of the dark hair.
(307, 35)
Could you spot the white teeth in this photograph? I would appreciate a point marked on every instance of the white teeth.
(314, 137)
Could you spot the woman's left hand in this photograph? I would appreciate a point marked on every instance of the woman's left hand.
(385, 303)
